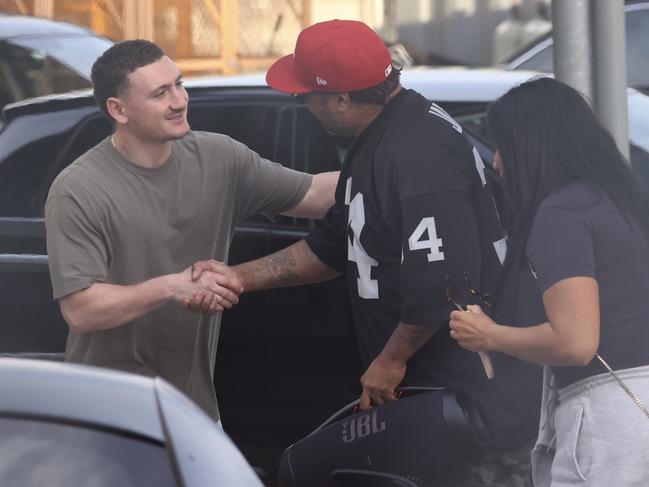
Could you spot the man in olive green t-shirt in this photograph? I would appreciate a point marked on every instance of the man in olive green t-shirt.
(126, 221)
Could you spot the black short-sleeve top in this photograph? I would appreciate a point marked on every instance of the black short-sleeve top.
(578, 231)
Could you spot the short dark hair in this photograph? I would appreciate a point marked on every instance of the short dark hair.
(110, 72)
(379, 94)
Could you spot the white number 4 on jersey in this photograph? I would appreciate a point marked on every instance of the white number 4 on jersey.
(432, 243)
(368, 288)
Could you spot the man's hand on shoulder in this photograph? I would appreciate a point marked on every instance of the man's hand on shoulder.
(212, 286)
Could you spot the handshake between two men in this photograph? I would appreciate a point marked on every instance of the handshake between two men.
(214, 287)
(211, 286)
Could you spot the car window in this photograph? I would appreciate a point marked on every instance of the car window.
(39, 453)
(22, 173)
(250, 124)
(285, 133)
(316, 150)
(38, 66)
(28, 171)
(76, 52)
(637, 44)
(253, 124)
(282, 132)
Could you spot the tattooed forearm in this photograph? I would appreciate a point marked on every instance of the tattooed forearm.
(282, 267)
(291, 266)
(407, 339)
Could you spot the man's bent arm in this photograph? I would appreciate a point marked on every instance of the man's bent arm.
(293, 266)
(388, 369)
(103, 306)
(318, 198)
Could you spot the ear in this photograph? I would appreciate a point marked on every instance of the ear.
(340, 102)
(116, 109)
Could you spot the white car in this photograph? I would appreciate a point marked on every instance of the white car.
(67, 425)
(538, 54)
(40, 56)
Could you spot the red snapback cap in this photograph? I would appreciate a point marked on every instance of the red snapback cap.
(334, 56)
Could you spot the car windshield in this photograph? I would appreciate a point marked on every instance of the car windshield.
(37, 66)
(39, 453)
(540, 55)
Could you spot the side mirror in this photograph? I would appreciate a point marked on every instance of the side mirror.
(364, 478)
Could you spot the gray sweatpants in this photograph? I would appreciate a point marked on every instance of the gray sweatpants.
(593, 434)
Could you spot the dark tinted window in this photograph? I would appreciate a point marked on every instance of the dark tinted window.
(284, 133)
(86, 135)
(302, 144)
(287, 134)
(316, 151)
(22, 173)
(36, 454)
(77, 52)
(252, 125)
(27, 173)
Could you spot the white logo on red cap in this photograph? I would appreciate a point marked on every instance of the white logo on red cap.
(320, 81)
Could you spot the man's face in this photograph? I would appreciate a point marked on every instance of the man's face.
(326, 108)
(155, 102)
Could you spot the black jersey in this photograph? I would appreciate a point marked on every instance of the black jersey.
(413, 215)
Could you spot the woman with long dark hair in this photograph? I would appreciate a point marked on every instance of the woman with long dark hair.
(578, 223)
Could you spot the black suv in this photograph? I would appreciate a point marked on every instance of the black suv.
(287, 358)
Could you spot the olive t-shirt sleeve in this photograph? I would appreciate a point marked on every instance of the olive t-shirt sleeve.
(76, 249)
(266, 187)
(560, 246)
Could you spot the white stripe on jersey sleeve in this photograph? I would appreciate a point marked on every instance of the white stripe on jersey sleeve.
(501, 249)
(437, 110)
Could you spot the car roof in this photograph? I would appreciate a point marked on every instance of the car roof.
(441, 84)
(461, 84)
(23, 25)
(80, 394)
